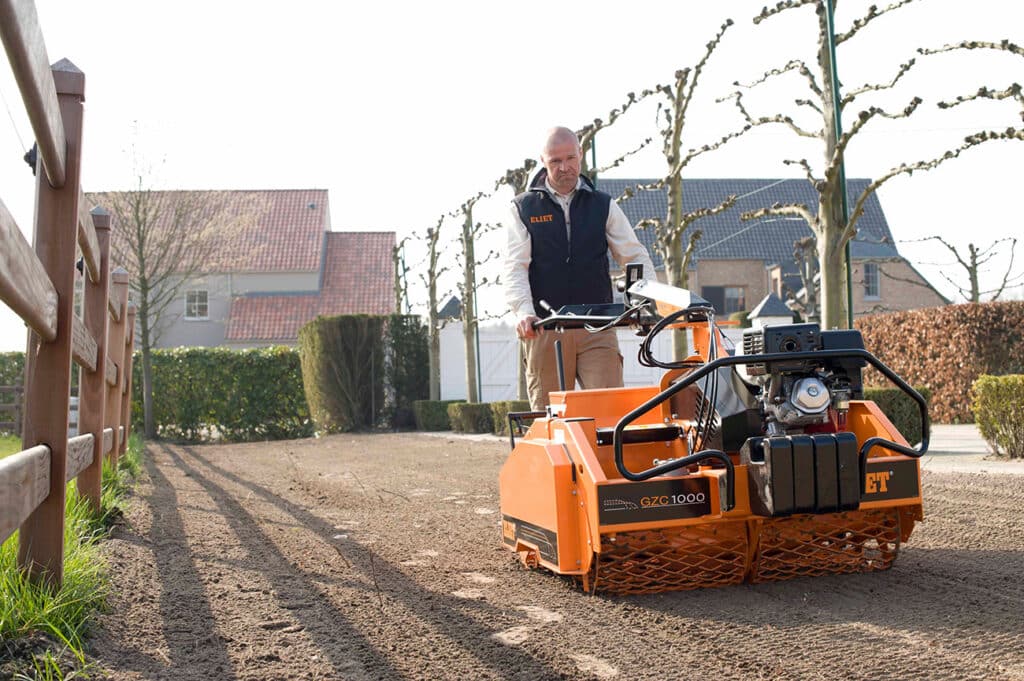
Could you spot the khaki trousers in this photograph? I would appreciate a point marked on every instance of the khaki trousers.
(590, 359)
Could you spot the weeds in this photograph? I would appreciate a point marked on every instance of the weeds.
(29, 611)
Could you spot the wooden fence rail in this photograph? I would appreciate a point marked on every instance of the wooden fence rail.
(10, 408)
(38, 284)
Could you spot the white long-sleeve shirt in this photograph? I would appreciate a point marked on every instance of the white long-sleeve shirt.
(622, 243)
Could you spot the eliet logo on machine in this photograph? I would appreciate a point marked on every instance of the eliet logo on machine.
(638, 502)
(890, 480)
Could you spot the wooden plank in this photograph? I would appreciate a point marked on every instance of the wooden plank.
(11, 389)
(48, 369)
(108, 440)
(113, 305)
(26, 50)
(79, 455)
(87, 238)
(111, 372)
(24, 285)
(24, 484)
(92, 386)
(83, 346)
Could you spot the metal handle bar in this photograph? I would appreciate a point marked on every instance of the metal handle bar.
(706, 369)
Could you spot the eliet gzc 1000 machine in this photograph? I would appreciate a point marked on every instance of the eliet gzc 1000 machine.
(754, 466)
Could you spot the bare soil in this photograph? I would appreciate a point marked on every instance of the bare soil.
(379, 557)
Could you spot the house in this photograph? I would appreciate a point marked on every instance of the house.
(738, 263)
(280, 267)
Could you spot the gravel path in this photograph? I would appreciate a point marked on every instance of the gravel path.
(378, 557)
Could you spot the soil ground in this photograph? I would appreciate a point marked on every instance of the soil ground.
(379, 557)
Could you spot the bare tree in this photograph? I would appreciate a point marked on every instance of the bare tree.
(670, 230)
(973, 263)
(164, 239)
(430, 279)
(830, 231)
(471, 231)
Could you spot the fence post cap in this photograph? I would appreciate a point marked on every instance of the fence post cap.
(100, 217)
(68, 79)
(119, 275)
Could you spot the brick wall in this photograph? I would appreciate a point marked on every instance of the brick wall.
(900, 287)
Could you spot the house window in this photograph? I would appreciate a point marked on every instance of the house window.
(872, 285)
(197, 305)
(725, 299)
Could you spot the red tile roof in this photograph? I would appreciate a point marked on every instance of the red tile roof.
(357, 277)
(277, 230)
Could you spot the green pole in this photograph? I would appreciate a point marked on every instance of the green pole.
(842, 162)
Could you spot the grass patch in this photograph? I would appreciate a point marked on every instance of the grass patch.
(9, 444)
(42, 632)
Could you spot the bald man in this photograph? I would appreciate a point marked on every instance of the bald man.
(559, 237)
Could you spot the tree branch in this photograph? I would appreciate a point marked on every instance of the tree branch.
(782, 209)
(780, 7)
(853, 94)
(764, 120)
(872, 14)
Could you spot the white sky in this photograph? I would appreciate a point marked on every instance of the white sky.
(402, 110)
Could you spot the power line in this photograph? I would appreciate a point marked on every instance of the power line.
(10, 116)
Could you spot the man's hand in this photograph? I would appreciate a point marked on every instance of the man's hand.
(524, 329)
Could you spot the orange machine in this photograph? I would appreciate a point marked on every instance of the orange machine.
(755, 466)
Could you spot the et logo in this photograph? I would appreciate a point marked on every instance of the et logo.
(877, 482)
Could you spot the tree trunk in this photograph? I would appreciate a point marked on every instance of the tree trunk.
(830, 227)
(434, 334)
(469, 307)
(521, 392)
(832, 258)
(148, 422)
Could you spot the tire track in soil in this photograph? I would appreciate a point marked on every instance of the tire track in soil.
(410, 523)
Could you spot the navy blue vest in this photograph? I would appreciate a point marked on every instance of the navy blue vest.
(566, 271)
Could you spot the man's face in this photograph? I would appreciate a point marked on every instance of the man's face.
(562, 160)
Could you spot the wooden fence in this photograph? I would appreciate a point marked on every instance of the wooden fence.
(39, 286)
(10, 408)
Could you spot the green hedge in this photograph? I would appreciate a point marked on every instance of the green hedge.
(12, 367)
(432, 414)
(998, 404)
(901, 409)
(364, 371)
(500, 410)
(237, 395)
(471, 417)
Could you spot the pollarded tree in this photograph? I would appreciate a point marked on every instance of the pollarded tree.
(430, 279)
(973, 263)
(669, 231)
(830, 230)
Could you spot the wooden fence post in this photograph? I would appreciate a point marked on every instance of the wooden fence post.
(129, 359)
(48, 364)
(115, 357)
(92, 385)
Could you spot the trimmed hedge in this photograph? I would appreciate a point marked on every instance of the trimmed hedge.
(901, 409)
(12, 367)
(471, 417)
(432, 414)
(363, 371)
(202, 394)
(500, 410)
(998, 403)
(343, 371)
(946, 349)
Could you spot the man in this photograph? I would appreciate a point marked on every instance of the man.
(559, 237)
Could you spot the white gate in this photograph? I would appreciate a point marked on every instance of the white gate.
(498, 356)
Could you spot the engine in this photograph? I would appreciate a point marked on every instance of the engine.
(803, 391)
